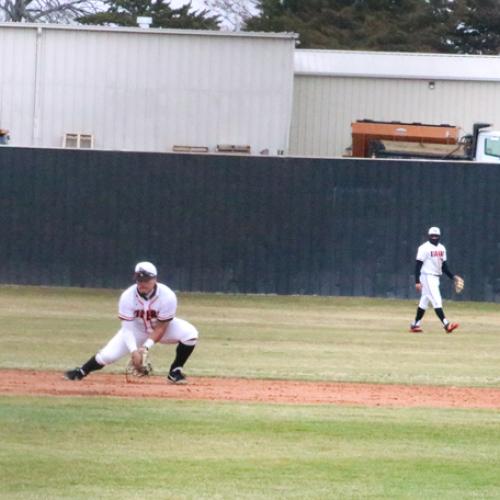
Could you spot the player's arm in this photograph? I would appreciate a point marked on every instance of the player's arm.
(446, 270)
(158, 331)
(128, 334)
(166, 313)
(418, 267)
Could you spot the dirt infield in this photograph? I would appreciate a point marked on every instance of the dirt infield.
(37, 383)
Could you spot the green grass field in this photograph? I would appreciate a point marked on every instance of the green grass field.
(123, 448)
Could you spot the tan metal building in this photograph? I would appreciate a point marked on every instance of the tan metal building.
(334, 88)
(145, 89)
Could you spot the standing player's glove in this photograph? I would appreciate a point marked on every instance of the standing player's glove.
(139, 365)
(458, 284)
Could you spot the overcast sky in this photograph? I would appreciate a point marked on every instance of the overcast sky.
(199, 5)
(196, 4)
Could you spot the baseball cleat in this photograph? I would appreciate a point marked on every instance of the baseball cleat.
(415, 329)
(75, 374)
(450, 327)
(176, 376)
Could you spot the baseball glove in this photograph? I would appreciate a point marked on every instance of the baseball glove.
(139, 365)
(458, 284)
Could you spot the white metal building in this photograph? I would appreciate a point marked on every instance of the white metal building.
(145, 89)
(334, 88)
(158, 89)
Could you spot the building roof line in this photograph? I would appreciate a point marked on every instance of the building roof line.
(401, 65)
(152, 31)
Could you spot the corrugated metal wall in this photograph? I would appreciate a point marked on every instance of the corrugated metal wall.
(18, 83)
(325, 106)
(244, 224)
(148, 90)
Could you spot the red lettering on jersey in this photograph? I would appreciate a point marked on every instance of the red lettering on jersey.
(437, 253)
(149, 315)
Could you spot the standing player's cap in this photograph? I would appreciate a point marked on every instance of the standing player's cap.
(145, 271)
(434, 230)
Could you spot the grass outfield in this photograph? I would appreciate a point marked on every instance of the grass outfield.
(124, 449)
(309, 338)
(162, 449)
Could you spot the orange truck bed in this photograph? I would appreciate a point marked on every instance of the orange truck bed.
(364, 131)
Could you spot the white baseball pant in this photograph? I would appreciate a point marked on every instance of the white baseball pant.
(129, 338)
(430, 291)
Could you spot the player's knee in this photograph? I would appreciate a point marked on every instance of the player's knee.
(191, 342)
(190, 336)
(102, 359)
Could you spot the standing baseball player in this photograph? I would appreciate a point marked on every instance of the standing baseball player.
(430, 265)
(147, 313)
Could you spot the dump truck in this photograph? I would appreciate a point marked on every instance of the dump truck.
(372, 139)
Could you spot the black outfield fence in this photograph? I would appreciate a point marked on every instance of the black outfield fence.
(244, 224)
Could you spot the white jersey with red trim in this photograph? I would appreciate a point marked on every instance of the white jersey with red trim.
(145, 312)
(432, 257)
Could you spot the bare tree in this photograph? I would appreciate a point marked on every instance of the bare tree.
(233, 13)
(48, 11)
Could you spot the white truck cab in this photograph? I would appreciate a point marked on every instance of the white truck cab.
(487, 144)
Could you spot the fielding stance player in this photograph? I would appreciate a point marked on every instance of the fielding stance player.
(430, 265)
(147, 312)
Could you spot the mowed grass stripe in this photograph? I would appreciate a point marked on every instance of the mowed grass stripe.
(105, 448)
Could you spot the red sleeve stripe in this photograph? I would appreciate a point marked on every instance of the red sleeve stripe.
(126, 318)
(165, 318)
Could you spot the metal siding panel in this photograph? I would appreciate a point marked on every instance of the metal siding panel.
(142, 91)
(17, 84)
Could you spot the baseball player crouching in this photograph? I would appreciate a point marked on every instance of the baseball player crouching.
(430, 265)
(147, 313)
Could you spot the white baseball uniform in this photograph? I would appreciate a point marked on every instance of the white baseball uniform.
(432, 257)
(139, 315)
